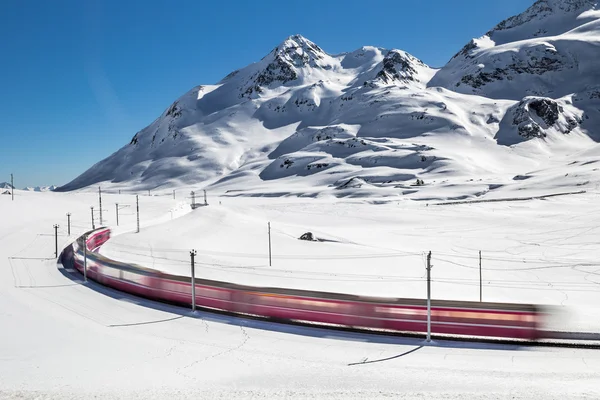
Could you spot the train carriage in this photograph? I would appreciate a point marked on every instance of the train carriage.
(506, 320)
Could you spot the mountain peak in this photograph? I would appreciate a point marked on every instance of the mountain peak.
(298, 39)
(294, 58)
(298, 51)
(543, 9)
(398, 65)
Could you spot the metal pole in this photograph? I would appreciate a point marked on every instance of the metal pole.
(55, 240)
(69, 224)
(12, 188)
(100, 197)
(117, 210)
(269, 225)
(480, 281)
(205, 202)
(193, 199)
(429, 297)
(148, 192)
(192, 255)
(173, 194)
(85, 258)
(137, 207)
(93, 226)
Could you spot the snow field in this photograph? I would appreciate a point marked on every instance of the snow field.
(62, 339)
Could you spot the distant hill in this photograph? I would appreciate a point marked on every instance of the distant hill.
(41, 188)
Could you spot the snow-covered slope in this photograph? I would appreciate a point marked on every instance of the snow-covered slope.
(303, 121)
(551, 50)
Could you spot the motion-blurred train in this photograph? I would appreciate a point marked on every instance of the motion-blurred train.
(481, 319)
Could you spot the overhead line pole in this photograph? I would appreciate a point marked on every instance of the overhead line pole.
(69, 224)
(100, 197)
(56, 240)
(93, 225)
(85, 258)
(429, 297)
(137, 208)
(480, 280)
(12, 188)
(269, 225)
(192, 255)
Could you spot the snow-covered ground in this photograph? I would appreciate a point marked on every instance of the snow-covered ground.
(64, 339)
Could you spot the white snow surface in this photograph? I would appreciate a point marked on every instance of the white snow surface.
(304, 122)
(64, 339)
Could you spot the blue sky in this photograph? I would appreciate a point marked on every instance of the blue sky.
(81, 77)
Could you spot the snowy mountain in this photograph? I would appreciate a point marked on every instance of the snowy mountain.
(40, 188)
(5, 185)
(551, 50)
(518, 100)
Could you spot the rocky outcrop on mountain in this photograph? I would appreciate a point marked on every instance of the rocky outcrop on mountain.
(532, 64)
(537, 117)
(286, 63)
(398, 66)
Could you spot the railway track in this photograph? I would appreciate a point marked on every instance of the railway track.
(496, 323)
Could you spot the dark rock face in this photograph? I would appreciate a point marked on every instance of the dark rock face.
(308, 236)
(294, 53)
(277, 71)
(540, 7)
(466, 50)
(287, 163)
(317, 166)
(354, 182)
(528, 113)
(397, 67)
(546, 109)
(533, 66)
(174, 111)
(526, 126)
(531, 130)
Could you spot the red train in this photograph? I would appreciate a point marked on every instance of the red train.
(519, 321)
